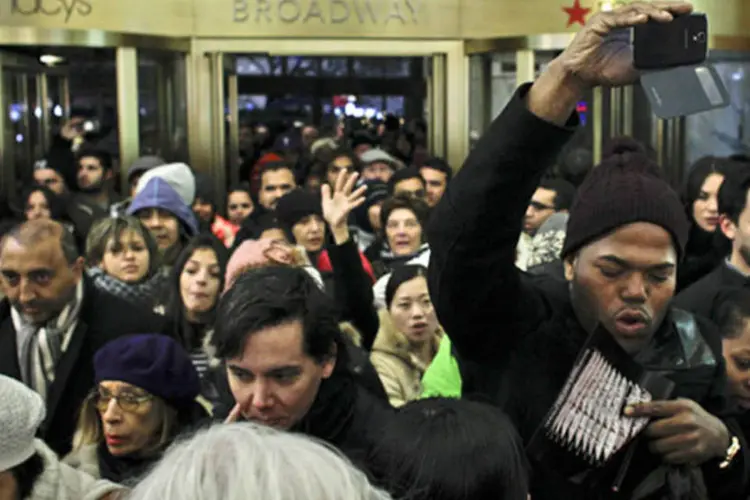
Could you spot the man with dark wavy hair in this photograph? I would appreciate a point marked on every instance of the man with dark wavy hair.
(287, 362)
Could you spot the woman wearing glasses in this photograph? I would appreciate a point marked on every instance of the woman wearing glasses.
(145, 396)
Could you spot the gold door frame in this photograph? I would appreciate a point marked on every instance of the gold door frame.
(91, 38)
(205, 88)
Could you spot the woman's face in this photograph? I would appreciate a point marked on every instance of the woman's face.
(129, 420)
(706, 206)
(37, 207)
(127, 259)
(404, 232)
(203, 210)
(310, 232)
(737, 357)
(337, 166)
(239, 206)
(412, 312)
(199, 283)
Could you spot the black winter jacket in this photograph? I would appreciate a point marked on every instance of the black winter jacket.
(700, 297)
(520, 333)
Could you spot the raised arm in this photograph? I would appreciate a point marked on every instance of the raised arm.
(353, 288)
(474, 231)
(481, 299)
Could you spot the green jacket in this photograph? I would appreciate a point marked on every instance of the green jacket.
(442, 378)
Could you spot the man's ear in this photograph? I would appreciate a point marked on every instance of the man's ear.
(330, 362)
(728, 227)
(569, 265)
(108, 174)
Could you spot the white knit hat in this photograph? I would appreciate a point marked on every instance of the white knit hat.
(21, 412)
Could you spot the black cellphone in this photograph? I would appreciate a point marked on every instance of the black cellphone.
(682, 42)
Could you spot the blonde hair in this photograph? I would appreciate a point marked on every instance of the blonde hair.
(89, 427)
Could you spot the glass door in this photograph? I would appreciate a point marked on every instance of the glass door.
(17, 154)
(34, 101)
(283, 93)
(283, 85)
(162, 104)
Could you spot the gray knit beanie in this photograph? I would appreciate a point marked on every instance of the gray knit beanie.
(21, 414)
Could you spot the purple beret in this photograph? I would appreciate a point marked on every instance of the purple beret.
(155, 363)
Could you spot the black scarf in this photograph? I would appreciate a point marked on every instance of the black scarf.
(331, 413)
(123, 470)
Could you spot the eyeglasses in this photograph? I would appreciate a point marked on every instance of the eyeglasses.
(126, 402)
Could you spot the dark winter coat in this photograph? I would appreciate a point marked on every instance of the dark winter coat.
(520, 333)
(700, 297)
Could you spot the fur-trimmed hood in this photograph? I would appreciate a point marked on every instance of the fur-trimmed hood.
(391, 341)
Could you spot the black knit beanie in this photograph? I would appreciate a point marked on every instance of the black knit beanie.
(626, 187)
(296, 205)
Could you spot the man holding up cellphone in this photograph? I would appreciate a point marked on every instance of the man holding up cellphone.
(626, 234)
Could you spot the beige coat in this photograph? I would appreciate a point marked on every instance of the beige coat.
(399, 369)
(84, 459)
(59, 481)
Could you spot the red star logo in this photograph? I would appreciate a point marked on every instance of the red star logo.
(576, 14)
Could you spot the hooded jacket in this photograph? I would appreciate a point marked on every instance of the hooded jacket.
(399, 369)
(177, 175)
(158, 193)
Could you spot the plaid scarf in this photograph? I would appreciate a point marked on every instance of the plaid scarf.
(42, 347)
(141, 294)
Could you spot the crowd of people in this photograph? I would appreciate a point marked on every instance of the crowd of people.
(358, 323)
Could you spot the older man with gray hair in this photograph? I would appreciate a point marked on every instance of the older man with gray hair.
(244, 460)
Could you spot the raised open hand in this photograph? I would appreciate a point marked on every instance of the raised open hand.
(601, 53)
(337, 205)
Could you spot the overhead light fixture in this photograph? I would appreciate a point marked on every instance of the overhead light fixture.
(50, 59)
